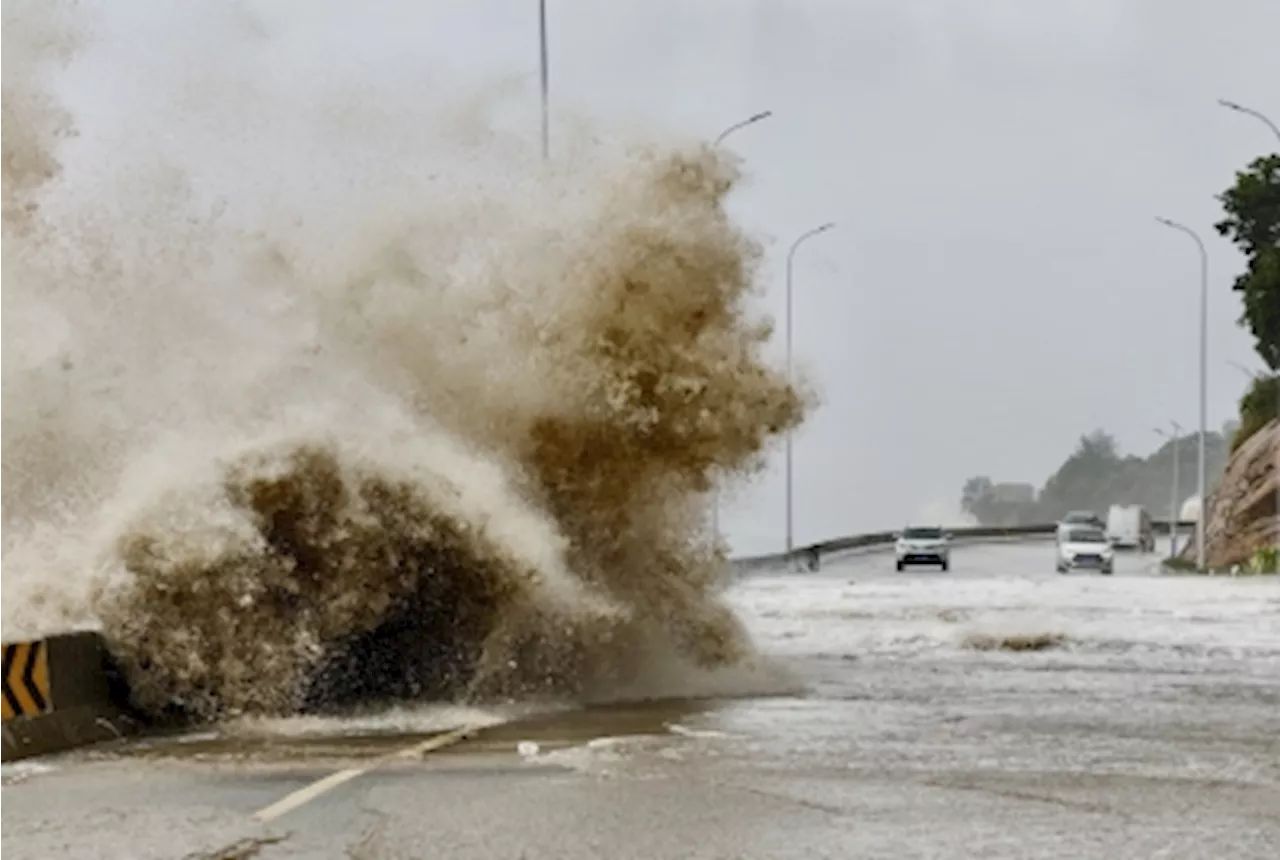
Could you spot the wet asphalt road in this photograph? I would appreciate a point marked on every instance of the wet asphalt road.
(1145, 728)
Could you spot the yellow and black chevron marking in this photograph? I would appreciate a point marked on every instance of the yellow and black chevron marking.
(26, 680)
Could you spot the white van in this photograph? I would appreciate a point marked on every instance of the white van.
(1129, 526)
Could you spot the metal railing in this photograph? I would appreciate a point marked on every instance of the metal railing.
(814, 552)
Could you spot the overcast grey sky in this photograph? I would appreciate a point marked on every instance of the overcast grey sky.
(997, 285)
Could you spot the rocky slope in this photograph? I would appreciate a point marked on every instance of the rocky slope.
(1243, 516)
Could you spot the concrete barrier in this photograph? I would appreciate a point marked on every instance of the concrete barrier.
(813, 553)
(59, 693)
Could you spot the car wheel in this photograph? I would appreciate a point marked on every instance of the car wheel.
(901, 566)
(1106, 571)
(946, 566)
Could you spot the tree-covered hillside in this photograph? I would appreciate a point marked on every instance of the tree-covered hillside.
(1252, 222)
(1095, 476)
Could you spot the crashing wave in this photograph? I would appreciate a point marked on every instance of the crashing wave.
(442, 426)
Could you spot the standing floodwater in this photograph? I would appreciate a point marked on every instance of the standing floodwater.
(1001, 710)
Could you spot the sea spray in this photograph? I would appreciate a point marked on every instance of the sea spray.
(335, 412)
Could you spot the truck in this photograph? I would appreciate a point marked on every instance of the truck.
(1129, 527)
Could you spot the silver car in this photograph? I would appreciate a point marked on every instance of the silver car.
(1085, 548)
(923, 545)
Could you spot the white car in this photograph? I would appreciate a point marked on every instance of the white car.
(1085, 548)
(923, 545)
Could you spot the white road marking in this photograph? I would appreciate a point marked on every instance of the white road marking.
(305, 795)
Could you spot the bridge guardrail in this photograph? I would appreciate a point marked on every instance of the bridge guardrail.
(873, 539)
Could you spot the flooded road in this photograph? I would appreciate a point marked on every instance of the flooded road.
(997, 711)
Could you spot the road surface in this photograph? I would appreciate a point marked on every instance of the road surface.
(1146, 725)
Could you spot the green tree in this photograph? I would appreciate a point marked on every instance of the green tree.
(1096, 476)
(1252, 205)
(1260, 404)
(1085, 480)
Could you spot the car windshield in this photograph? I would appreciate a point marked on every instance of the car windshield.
(922, 533)
(1086, 536)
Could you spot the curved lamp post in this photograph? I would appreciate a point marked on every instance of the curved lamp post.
(751, 120)
(790, 259)
(1204, 383)
(1253, 113)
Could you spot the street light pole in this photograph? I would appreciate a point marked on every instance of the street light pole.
(715, 492)
(1253, 113)
(545, 77)
(751, 120)
(1204, 385)
(790, 260)
(1252, 374)
(1238, 108)
(1174, 507)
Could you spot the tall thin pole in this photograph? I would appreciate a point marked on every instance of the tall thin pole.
(790, 265)
(1238, 108)
(545, 77)
(1204, 385)
(751, 120)
(1174, 507)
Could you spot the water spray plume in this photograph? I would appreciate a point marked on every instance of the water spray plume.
(352, 408)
